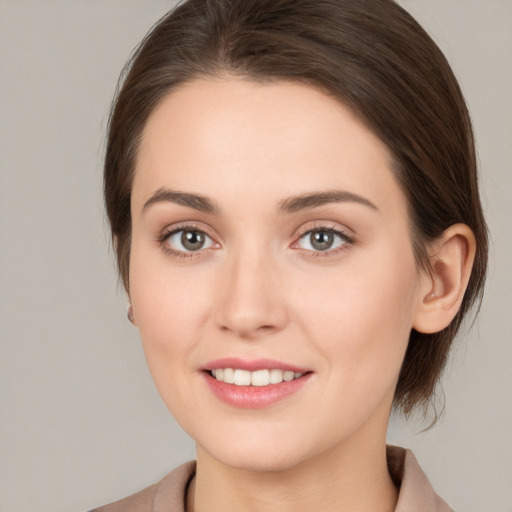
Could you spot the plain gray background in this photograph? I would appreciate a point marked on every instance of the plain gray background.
(81, 423)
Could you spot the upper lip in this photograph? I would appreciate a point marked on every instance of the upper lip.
(252, 365)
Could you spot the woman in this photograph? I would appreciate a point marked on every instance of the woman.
(292, 192)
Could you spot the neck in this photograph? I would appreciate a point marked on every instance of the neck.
(351, 478)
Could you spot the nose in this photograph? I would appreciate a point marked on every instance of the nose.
(251, 302)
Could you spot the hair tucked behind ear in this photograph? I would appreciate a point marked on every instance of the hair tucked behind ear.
(369, 54)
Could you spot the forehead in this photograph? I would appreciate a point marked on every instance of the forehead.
(227, 135)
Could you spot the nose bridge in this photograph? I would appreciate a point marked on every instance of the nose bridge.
(250, 300)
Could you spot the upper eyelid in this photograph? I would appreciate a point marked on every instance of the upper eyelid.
(184, 226)
(326, 225)
(172, 229)
(342, 234)
(305, 228)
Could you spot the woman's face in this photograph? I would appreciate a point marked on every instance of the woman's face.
(271, 238)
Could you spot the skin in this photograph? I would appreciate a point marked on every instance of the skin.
(259, 289)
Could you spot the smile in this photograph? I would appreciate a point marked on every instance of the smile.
(254, 383)
(258, 378)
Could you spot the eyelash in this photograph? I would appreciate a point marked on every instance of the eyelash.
(177, 229)
(347, 240)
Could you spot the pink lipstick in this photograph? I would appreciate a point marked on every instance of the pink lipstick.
(253, 384)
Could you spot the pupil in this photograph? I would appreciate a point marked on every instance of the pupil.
(321, 240)
(192, 240)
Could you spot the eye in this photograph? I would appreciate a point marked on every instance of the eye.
(322, 240)
(187, 240)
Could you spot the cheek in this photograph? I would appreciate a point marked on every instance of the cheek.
(361, 316)
(361, 327)
(168, 310)
(168, 307)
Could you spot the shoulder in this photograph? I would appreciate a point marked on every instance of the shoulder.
(168, 495)
(139, 502)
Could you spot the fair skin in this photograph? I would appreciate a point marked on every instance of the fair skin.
(328, 285)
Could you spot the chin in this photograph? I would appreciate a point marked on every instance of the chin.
(265, 451)
(260, 460)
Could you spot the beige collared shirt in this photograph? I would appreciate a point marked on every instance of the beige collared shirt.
(416, 494)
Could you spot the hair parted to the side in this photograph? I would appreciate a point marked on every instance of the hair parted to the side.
(369, 54)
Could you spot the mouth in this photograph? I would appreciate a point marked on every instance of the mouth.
(254, 384)
(258, 378)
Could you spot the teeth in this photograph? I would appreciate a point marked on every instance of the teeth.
(276, 376)
(288, 376)
(242, 378)
(257, 378)
(228, 375)
(260, 378)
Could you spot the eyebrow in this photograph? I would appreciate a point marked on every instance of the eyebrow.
(306, 201)
(195, 201)
(286, 206)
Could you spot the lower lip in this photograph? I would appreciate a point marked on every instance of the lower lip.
(254, 397)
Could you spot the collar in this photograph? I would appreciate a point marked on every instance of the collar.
(415, 492)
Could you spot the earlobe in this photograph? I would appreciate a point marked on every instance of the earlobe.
(442, 290)
(129, 314)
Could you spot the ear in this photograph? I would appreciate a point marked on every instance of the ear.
(129, 314)
(451, 259)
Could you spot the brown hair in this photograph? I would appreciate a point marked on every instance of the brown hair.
(369, 54)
